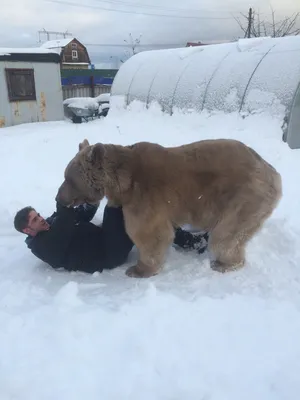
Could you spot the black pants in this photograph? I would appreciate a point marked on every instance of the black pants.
(116, 241)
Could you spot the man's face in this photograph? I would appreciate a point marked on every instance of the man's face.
(36, 224)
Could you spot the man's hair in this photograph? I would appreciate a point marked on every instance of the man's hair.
(21, 218)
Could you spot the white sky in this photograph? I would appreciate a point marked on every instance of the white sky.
(91, 24)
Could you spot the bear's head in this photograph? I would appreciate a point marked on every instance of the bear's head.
(96, 171)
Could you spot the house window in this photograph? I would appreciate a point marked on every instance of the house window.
(74, 54)
(20, 84)
(74, 46)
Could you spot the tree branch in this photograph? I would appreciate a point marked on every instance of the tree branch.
(258, 28)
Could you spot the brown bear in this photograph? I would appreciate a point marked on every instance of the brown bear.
(221, 186)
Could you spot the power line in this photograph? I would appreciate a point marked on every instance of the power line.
(129, 4)
(130, 45)
(68, 3)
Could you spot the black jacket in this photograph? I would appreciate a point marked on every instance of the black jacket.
(72, 242)
(75, 244)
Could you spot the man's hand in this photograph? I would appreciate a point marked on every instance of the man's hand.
(62, 210)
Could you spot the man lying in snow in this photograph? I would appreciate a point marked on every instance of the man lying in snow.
(67, 239)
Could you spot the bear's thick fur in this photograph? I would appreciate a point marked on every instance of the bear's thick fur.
(221, 186)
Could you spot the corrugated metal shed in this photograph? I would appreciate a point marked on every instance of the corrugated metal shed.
(246, 76)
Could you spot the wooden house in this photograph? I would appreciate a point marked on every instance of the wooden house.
(73, 53)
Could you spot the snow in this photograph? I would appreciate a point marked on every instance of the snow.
(191, 88)
(103, 98)
(237, 68)
(78, 63)
(82, 102)
(278, 74)
(206, 76)
(209, 42)
(91, 103)
(28, 50)
(252, 43)
(58, 43)
(103, 107)
(187, 333)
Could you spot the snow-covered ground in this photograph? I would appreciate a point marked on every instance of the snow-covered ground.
(187, 334)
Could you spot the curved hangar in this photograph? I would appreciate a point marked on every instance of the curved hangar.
(250, 75)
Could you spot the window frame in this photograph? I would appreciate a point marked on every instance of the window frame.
(73, 56)
(9, 72)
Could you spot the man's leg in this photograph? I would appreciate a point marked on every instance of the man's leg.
(117, 243)
(188, 240)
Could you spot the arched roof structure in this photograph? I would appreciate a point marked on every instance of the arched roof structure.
(250, 75)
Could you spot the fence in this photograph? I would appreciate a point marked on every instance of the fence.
(86, 83)
(84, 90)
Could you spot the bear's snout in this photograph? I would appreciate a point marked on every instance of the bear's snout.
(62, 196)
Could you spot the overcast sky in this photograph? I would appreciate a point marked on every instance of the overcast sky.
(92, 24)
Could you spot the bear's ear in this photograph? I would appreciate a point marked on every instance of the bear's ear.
(84, 144)
(96, 153)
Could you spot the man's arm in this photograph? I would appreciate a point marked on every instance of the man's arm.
(53, 246)
(65, 218)
(86, 212)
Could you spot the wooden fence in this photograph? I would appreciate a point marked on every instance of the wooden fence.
(84, 90)
(86, 83)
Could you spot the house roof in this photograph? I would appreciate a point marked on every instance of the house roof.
(207, 42)
(55, 44)
(27, 50)
(195, 44)
(28, 54)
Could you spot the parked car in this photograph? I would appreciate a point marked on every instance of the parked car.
(85, 108)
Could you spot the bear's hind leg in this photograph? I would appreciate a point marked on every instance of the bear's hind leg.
(243, 219)
(230, 256)
(229, 248)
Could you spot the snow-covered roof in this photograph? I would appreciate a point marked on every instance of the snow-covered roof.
(25, 50)
(246, 76)
(207, 42)
(77, 63)
(56, 44)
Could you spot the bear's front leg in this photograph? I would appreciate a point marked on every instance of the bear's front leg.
(152, 245)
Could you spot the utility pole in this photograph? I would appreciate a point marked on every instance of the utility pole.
(250, 21)
(258, 25)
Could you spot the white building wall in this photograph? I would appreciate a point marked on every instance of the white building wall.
(49, 99)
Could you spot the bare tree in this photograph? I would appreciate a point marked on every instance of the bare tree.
(253, 26)
(132, 44)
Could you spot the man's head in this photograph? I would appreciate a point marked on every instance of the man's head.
(28, 221)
